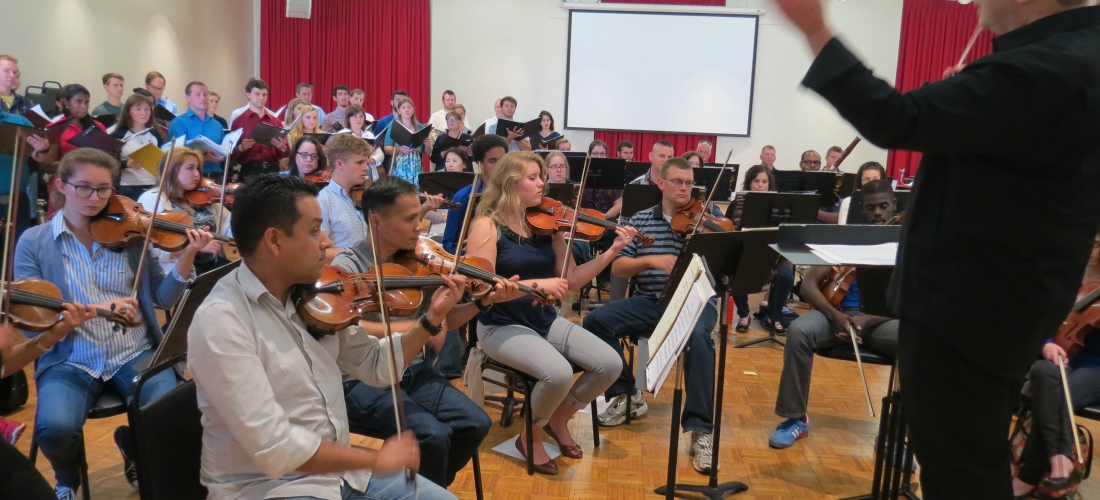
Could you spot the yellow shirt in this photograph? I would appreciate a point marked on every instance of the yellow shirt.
(8, 100)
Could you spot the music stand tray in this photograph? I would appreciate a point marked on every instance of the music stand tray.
(175, 335)
(793, 239)
(754, 209)
(445, 184)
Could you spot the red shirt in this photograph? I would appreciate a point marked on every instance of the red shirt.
(258, 152)
(72, 131)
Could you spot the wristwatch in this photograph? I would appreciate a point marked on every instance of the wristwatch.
(426, 324)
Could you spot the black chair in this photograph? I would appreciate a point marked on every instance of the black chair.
(478, 488)
(516, 380)
(108, 405)
(846, 353)
(167, 436)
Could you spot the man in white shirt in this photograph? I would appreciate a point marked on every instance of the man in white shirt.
(507, 110)
(438, 119)
(274, 420)
(304, 93)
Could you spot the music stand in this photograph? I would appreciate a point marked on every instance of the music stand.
(705, 177)
(174, 341)
(636, 169)
(603, 173)
(561, 191)
(767, 209)
(638, 197)
(445, 184)
(847, 185)
(795, 181)
(855, 215)
(734, 259)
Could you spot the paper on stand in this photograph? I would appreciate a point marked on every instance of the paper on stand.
(677, 323)
(857, 255)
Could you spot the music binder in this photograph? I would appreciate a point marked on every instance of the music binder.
(320, 137)
(57, 129)
(638, 197)
(148, 156)
(93, 137)
(39, 119)
(8, 132)
(705, 178)
(402, 136)
(480, 131)
(106, 120)
(265, 134)
(505, 125)
(552, 144)
(162, 113)
(452, 142)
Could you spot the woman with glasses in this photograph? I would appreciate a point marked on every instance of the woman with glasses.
(305, 158)
(97, 356)
(454, 131)
(597, 149)
(181, 176)
(694, 158)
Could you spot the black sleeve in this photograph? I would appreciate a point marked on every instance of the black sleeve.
(437, 154)
(994, 102)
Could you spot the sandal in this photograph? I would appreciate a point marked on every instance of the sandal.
(743, 325)
(776, 327)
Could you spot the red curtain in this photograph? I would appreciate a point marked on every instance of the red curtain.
(378, 46)
(934, 34)
(643, 142)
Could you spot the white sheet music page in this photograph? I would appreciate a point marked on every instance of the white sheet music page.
(678, 321)
(857, 255)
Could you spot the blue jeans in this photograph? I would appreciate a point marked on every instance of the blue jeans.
(389, 488)
(65, 393)
(448, 424)
(637, 317)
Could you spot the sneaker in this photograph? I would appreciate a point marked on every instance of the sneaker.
(125, 446)
(638, 406)
(615, 414)
(788, 432)
(702, 449)
(64, 493)
(11, 430)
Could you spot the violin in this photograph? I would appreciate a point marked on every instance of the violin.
(36, 304)
(356, 193)
(124, 219)
(208, 192)
(429, 257)
(836, 285)
(319, 176)
(684, 220)
(1082, 319)
(339, 298)
(552, 216)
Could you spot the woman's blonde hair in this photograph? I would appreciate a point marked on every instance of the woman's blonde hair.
(299, 130)
(172, 188)
(500, 196)
(290, 106)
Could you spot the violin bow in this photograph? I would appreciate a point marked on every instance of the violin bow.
(466, 220)
(221, 200)
(152, 219)
(398, 399)
(710, 196)
(9, 227)
(966, 51)
(576, 216)
(1069, 407)
(862, 374)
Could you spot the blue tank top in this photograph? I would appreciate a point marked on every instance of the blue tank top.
(530, 258)
(851, 299)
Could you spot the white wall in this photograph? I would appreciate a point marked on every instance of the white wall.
(77, 41)
(490, 48)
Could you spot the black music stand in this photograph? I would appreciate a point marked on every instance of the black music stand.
(795, 181)
(705, 177)
(739, 262)
(638, 197)
(855, 215)
(445, 184)
(767, 209)
(635, 169)
(561, 191)
(174, 341)
(893, 457)
(603, 173)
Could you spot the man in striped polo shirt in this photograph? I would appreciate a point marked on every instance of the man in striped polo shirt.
(638, 316)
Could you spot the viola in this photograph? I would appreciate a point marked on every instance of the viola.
(35, 305)
(552, 216)
(208, 192)
(448, 204)
(339, 298)
(356, 193)
(319, 176)
(429, 257)
(1082, 319)
(684, 220)
(124, 219)
(836, 285)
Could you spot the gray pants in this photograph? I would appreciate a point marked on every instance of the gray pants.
(813, 331)
(548, 360)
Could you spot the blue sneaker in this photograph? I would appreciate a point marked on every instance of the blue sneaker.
(788, 432)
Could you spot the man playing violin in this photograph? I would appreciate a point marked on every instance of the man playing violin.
(1048, 457)
(639, 314)
(448, 424)
(274, 420)
(828, 326)
(73, 373)
(343, 222)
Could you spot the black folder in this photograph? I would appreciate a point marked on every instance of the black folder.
(320, 137)
(451, 142)
(162, 113)
(531, 127)
(264, 133)
(404, 137)
(106, 120)
(549, 145)
(93, 137)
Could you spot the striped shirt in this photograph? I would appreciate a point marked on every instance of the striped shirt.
(102, 276)
(652, 222)
(340, 220)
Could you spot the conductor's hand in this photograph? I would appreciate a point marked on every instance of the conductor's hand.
(807, 16)
(662, 263)
(445, 297)
(397, 454)
(1052, 352)
(952, 70)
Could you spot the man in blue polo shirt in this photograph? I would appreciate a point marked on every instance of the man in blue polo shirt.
(196, 122)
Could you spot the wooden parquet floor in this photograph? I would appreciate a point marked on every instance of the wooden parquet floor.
(834, 461)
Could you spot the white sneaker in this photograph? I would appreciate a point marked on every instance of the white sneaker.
(615, 414)
(638, 406)
(64, 493)
(702, 448)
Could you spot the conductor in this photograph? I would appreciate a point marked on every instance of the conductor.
(999, 226)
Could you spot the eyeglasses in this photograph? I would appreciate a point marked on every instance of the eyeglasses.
(85, 191)
(308, 156)
(556, 167)
(452, 120)
(693, 163)
(811, 162)
(677, 182)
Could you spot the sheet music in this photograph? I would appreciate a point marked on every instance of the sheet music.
(884, 254)
(677, 323)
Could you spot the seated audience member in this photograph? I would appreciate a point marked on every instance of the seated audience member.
(275, 424)
(828, 326)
